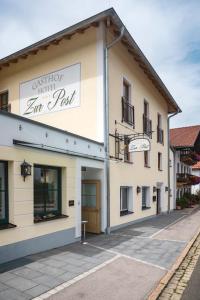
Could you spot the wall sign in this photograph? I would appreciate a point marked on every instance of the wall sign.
(139, 144)
(52, 92)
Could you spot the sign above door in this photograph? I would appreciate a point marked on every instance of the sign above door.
(139, 145)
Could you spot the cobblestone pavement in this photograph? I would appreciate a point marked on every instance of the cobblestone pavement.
(36, 274)
(178, 283)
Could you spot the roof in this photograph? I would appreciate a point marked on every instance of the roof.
(112, 19)
(184, 136)
(197, 166)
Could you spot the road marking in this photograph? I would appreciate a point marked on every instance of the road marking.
(166, 227)
(147, 237)
(127, 256)
(75, 279)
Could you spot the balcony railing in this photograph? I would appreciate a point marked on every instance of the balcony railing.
(189, 157)
(160, 135)
(185, 179)
(147, 126)
(6, 107)
(128, 112)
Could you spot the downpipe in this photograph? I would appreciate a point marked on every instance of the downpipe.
(106, 122)
(168, 157)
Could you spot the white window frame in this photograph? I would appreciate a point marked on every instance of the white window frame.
(148, 197)
(129, 208)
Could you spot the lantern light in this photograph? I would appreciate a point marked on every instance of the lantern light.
(25, 169)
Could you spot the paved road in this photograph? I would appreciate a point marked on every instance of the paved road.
(192, 291)
(127, 264)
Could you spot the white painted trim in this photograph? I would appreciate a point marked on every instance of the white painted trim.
(100, 35)
(81, 162)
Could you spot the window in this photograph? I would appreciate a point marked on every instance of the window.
(159, 161)
(160, 133)
(3, 192)
(147, 159)
(126, 91)
(127, 108)
(47, 192)
(147, 123)
(4, 101)
(126, 203)
(145, 197)
(117, 145)
(126, 152)
(177, 168)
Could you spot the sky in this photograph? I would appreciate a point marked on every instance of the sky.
(167, 31)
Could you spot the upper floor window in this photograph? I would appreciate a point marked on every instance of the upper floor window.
(3, 192)
(159, 161)
(4, 101)
(127, 156)
(147, 159)
(47, 192)
(147, 123)
(160, 134)
(127, 108)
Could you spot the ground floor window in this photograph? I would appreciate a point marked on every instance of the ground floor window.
(3, 192)
(47, 192)
(126, 200)
(145, 197)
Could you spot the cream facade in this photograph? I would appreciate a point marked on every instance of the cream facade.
(41, 145)
(103, 98)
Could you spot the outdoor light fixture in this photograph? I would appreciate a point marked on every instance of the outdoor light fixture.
(154, 189)
(166, 189)
(25, 169)
(138, 189)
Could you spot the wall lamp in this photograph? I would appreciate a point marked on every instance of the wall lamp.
(154, 189)
(25, 169)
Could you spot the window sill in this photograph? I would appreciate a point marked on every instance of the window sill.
(132, 125)
(146, 207)
(125, 213)
(7, 226)
(128, 162)
(42, 219)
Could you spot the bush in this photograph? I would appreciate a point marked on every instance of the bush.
(183, 202)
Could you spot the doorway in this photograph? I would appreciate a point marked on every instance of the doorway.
(91, 205)
(158, 201)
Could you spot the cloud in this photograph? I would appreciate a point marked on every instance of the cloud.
(168, 32)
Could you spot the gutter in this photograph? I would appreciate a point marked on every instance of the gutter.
(168, 156)
(106, 123)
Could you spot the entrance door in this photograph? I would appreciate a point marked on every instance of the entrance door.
(91, 205)
(158, 201)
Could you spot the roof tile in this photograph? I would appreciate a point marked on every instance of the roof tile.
(184, 136)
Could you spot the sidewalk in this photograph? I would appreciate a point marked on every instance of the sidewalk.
(128, 264)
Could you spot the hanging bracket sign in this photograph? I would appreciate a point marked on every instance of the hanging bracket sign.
(139, 145)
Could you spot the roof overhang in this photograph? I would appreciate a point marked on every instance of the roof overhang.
(112, 19)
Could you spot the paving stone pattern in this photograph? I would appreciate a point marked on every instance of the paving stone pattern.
(33, 275)
(176, 286)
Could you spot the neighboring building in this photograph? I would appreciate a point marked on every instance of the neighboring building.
(61, 82)
(196, 172)
(185, 142)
